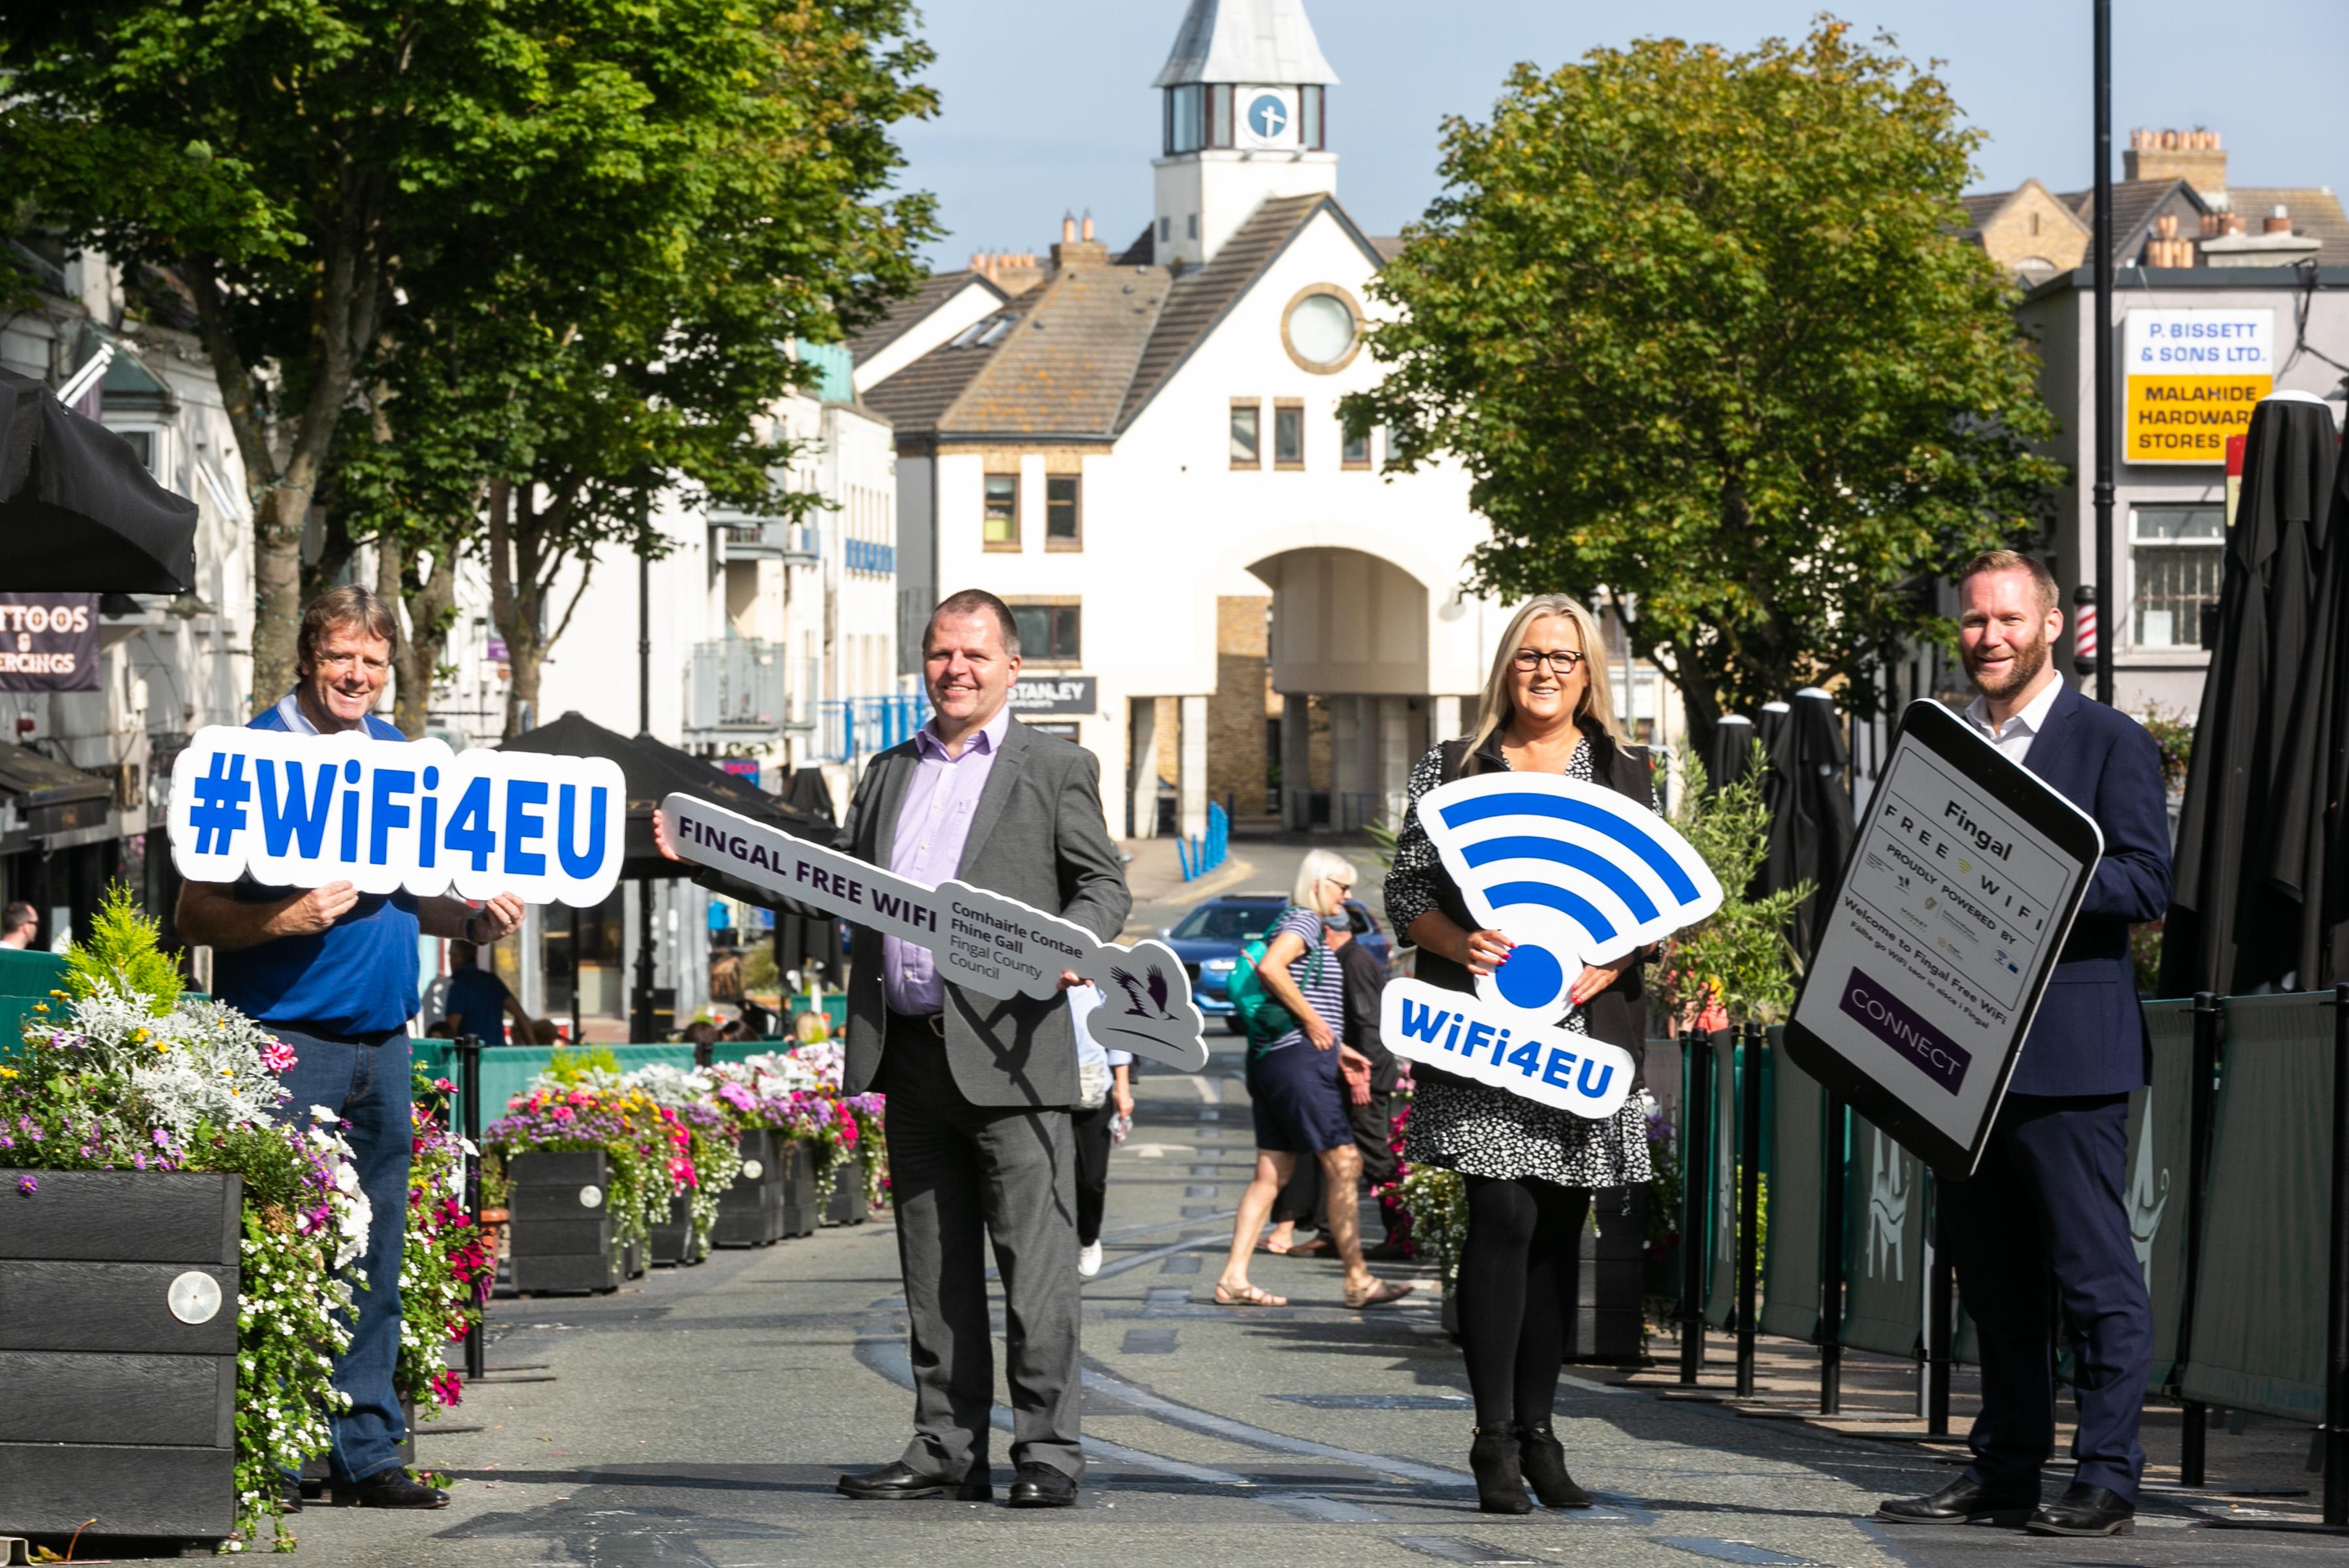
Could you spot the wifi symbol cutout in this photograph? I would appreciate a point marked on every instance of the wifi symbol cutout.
(1570, 873)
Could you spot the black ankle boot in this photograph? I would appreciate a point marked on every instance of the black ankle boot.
(1542, 1459)
(1500, 1484)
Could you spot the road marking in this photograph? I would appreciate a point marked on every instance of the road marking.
(1149, 1342)
(1209, 1089)
(1737, 1551)
(1460, 1549)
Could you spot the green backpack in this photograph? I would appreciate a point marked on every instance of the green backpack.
(1265, 1020)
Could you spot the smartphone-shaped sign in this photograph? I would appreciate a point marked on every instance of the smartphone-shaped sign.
(1933, 952)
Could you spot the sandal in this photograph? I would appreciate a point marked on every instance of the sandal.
(1267, 1247)
(1246, 1295)
(1319, 1247)
(1380, 1293)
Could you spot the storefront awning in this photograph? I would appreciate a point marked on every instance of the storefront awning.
(53, 804)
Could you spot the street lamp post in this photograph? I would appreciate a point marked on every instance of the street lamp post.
(2102, 424)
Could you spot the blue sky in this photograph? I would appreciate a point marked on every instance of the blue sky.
(1048, 107)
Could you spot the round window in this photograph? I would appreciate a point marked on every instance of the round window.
(1321, 330)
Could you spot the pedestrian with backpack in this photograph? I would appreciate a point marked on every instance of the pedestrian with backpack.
(1291, 997)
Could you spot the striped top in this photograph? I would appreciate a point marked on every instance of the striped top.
(1317, 972)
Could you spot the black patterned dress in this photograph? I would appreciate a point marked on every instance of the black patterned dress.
(1479, 1130)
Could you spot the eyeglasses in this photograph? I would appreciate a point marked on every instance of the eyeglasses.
(1565, 661)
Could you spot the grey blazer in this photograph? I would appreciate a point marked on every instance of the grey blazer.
(1037, 836)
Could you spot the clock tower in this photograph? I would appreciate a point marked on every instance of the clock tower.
(1246, 118)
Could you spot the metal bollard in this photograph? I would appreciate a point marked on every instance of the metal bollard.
(1748, 1203)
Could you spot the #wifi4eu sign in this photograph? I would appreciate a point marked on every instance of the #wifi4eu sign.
(303, 811)
(1573, 875)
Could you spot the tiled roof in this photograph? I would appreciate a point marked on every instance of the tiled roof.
(1063, 369)
(934, 291)
(2136, 204)
(1081, 354)
(1388, 246)
(1143, 252)
(2313, 211)
(1981, 207)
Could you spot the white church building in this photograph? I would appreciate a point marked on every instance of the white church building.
(1220, 594)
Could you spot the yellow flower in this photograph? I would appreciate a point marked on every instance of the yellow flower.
(7, 1072)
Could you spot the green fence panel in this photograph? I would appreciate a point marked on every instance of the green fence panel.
(2259, 1306)
(27, 977)
(506, 1070)
(2159, 1130)
(1721, 1259)
(1884, 1243)
(1795, 1161)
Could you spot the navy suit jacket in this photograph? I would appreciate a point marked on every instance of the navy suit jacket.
(2090, 1036)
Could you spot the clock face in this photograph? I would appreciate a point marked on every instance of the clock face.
(1267, 116)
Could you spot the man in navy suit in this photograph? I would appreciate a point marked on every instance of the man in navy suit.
(2043, 1214)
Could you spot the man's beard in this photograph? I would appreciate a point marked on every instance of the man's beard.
(2029, 659)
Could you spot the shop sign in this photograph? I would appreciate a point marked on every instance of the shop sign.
(2194, 376)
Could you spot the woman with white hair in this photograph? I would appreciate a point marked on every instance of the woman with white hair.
(1528, 1168)
(1294, 1091)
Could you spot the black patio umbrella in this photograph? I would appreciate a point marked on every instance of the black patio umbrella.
(2228, 929)
(801, 937)
(1732, 756)
(79, 511)
(1825, 829)
(1781, 794)
(2306, 858)
(655, 769)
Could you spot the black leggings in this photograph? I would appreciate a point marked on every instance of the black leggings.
(1093, 1128)
(1512, 1287)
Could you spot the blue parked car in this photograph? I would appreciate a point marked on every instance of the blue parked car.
(1208, 941)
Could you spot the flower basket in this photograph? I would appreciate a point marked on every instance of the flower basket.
(118, 1352)
(560, 1226)
(799, 1188)
(750, 1212)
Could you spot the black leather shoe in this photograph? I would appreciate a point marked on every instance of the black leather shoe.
(1542, 1460)
(900, 1482)
(2083, 1509)
(389, 1489)
(290, 1492)
(1962, 1502)
(1500, 1478)
(1041, 1486)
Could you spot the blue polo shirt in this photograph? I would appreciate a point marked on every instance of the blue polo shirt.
(479, 998)
(357, 978)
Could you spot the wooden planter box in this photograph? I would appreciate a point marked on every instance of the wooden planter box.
(559, 1222)
(1607, 1279)
(632, 1260)
(848, 1206)
(118, 1353)
(672, 1242)
(750, 1212)
(799, 1188)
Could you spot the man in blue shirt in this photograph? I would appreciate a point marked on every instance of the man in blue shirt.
(332, 972)
(477, 1002)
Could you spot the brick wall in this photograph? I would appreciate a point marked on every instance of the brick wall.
(1237, 755)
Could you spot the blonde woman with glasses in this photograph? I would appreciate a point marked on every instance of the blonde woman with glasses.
(1294, 1091)
(1529, 1169)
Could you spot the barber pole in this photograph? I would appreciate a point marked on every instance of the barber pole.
(2084, 646)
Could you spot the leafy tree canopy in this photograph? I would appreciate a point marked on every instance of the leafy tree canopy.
(1705, 331)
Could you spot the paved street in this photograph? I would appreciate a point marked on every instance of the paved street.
(700, 1416)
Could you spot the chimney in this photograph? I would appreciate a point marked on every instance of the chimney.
(1013, 272)
(1072, 251)
(2276, 222)
(2193, 156)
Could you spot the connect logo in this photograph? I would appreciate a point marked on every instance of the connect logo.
(1570, 873)
(1890, 1019)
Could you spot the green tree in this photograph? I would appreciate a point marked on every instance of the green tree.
(340, 183)
(1706, 333)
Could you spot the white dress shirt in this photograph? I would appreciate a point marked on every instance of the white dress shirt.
(2014, 737)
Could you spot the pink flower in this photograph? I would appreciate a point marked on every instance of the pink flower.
(277, 1055)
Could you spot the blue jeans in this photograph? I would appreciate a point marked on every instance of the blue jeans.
(365, 1082)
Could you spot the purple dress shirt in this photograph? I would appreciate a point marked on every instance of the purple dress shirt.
(933, 824)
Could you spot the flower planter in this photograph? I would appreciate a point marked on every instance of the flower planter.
(632, 1260)
(799, 1189)
(847, 1206)
(559, 1225)
(750, 1212)
(672, 1241)
(118, 1353)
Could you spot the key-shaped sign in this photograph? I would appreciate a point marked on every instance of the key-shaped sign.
(982, 941)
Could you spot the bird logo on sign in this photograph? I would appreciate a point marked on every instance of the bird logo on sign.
(1570, 873)
(1268, 115)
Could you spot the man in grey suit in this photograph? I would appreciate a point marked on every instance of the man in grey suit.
(980, 1145)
